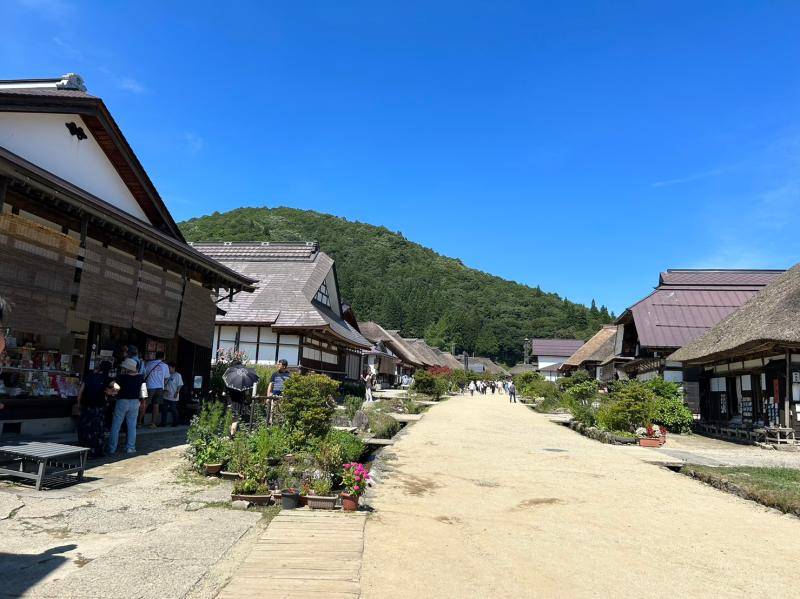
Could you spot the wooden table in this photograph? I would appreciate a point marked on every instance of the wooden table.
(49, 460)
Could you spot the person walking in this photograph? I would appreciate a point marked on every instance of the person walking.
(172, 393)
(472, 388)
(512, 393)
(155, 373)
(92, 400)
(127, 407)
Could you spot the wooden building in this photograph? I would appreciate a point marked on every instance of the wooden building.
(593, 353)
(90, 258)
(749, 365)
(685, 305)
(296, 313)
(548, 355)
(389, 358)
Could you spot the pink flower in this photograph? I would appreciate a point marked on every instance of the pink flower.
(355, 488)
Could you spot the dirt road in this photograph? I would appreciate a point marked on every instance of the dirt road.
(483, 498)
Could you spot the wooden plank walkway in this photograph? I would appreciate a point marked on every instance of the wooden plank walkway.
(303, 553)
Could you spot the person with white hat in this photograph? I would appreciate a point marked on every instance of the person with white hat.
(127, 406)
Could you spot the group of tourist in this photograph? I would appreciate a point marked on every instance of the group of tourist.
(124, 399)
(501, 387)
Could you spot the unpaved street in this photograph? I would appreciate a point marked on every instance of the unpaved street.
(139, 527)
(483, 498)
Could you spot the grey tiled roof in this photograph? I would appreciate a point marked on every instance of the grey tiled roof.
(286, 289)
(44, 91)
(260, 252)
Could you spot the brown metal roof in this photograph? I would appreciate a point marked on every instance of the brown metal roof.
(683, 309)
(733, 277)
(556, 347)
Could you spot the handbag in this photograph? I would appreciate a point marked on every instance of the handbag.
(143, 391)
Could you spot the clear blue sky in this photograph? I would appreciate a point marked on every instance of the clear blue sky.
(581, 148)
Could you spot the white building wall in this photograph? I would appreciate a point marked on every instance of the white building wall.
(548, 360)
(44, 140)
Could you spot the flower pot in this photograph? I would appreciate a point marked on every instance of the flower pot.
(212, 469)
(289, 499)
(229, 475)
(303, 501)
(321, 503)
(349, 502)
(255, 499)
(649, 442)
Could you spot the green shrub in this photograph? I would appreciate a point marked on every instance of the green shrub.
(525, 379)
(207, 435)
(539, 388)
(351, 446)
(322, 487)
(382, 425)
(306, 406)
(328, 455)
(427, 384)
(576, 378)
(672, 414)
(352, 404)
(269, 443)
(215, 451)
(264, 373)
(628, 407)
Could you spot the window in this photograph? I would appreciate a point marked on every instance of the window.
(267, 346)
(322, 295)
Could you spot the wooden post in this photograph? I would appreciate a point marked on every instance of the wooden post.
(787, 416)
(3, 188)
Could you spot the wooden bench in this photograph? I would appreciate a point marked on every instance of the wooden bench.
(48, 460)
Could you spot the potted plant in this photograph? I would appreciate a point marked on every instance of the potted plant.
(290, 494)
(649, 436)
(354, 479)
(321, 498)
(212, 455)
(251, 490)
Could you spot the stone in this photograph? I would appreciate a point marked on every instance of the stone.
(193, 506)
(360, 421)
(240, 504)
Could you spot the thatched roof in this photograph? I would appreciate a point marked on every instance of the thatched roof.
(489, 366)
(596, 349)
(520, 368)
(767, 320)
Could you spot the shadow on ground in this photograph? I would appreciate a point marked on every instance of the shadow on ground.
(22, 571)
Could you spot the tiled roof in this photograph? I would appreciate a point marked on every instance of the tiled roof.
(260, 252)
(555, 347)
(285, 292)
(44, 91)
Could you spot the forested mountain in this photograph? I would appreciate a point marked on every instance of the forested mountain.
(403, 285)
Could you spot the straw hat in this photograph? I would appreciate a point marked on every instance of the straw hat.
(129, 364)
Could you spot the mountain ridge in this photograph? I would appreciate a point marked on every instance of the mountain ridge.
(404, 285)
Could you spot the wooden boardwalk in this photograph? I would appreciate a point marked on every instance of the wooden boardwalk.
(303, 553)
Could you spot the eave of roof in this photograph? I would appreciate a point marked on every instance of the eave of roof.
(102, 125)
(18, 168)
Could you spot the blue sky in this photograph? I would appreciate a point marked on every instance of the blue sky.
(582, 147)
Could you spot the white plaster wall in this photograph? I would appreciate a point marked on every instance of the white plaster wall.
(548, 360)
(330, 282)
(44, 140)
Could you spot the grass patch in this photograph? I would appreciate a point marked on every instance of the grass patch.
(185, 475)
(778, 488)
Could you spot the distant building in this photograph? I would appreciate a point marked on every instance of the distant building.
(547, 353)
(389, 358)
(296, 313)
(593, 353)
